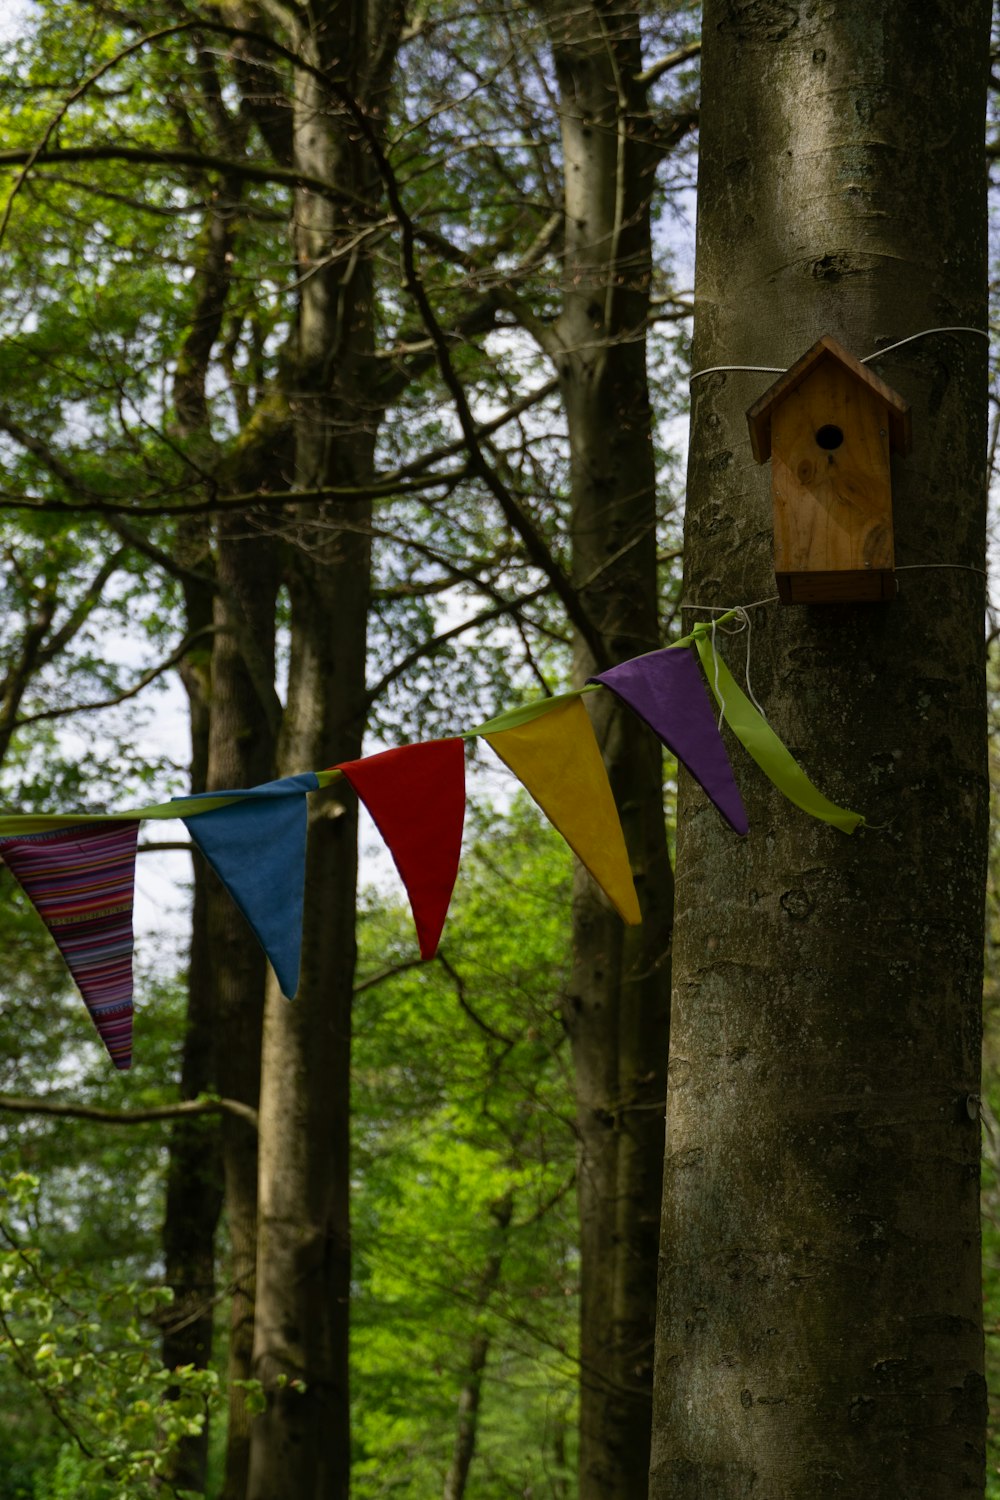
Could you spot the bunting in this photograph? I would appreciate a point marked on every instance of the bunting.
(557, 759)
(79, 870)
(763, 745)
(666, 690)
(416, 796)
(257, 847)
(81, 881)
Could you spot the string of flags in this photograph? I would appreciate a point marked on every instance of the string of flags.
(78, 870)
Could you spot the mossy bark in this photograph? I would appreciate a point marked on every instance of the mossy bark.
(819, 1328)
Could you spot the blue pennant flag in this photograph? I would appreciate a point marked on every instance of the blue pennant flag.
(257, 847)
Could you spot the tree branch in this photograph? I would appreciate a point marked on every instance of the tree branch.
(81, 612)
(484, 1026)
(666, 64)
(376, 979)
(35, 153)
(517, 518)
(427, 648)
(148, 549)
(172, 156)
(147, 677)
(15, 1104)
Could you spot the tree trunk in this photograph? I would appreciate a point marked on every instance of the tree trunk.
(235, 717)
(243, 753)
(194, 1187)
(194, 1168)
(300, 1446)
(819, 1327)
(617, 1010)
(469, 1396)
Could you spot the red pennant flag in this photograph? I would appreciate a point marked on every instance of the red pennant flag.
(80, 881)
(416, 796)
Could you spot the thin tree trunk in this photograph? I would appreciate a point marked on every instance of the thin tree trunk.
(819, 1326)
(617, 1009)
(194, 1187)
(470, 1394)
(194, 1168)
(243, 753)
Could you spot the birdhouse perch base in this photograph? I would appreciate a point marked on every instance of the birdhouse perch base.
(843, 587)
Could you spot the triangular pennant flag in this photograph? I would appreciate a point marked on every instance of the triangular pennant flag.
(667, 691)
(257, 847)
(81, 881)
(416, 796)
(557, 759)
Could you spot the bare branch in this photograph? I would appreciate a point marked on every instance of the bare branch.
(473, 1015)
(428, 647)
(15, 1104)
(670, 61)
(171, 156)
(147, 677)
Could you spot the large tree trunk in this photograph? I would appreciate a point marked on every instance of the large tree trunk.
(617, 1009)
(300, 1446)
(819, 1327)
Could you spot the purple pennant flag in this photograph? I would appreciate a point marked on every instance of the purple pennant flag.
(666, 690)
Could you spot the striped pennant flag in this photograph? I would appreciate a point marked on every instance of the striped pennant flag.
(81, 882)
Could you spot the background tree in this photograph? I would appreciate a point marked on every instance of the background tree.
(258, 406)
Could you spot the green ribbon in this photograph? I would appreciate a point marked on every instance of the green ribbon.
(750, 728)
(184, 807)
(181, 807)
(760, 741)
(528, 711)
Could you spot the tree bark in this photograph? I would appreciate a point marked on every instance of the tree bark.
(194, 1188)
(194, 1168)
(819, 1326)
(301, 1444)
(470, 1395)
(243, 753)
(617, 1008)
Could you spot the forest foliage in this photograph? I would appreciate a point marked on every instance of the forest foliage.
(465, 1289)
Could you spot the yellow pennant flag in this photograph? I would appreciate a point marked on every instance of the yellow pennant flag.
(556, 758)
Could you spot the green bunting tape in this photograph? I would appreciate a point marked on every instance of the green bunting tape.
(14, 823)
(528, 711)
(750, 728)
(762, 744)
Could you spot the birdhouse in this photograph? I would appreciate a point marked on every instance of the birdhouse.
(828, 426)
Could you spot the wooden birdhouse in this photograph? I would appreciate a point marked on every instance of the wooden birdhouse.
(828, 426)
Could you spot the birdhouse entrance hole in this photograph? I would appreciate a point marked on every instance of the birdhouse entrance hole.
(827, 426)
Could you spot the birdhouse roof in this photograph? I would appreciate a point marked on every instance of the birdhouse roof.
(826, 348)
